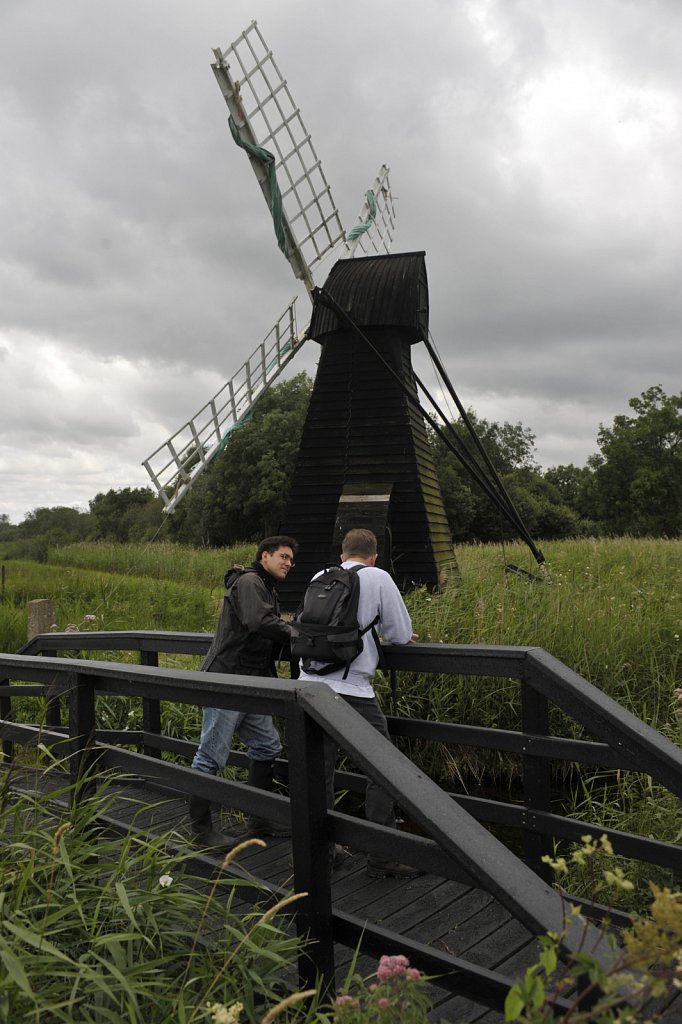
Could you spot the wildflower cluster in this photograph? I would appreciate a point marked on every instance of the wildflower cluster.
(585, 856)
(221, 1014)
(87, 623)
(624, 990)
(397, 996)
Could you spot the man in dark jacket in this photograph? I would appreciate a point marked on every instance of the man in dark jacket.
(249, 636)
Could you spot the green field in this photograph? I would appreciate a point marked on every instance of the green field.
(609, 609)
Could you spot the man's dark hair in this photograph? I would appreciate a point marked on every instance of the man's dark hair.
(271, 544)
(359, 542)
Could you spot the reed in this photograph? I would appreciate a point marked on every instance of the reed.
(200, 567)
(98, 927)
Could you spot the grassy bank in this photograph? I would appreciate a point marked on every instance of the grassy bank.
(609, 609)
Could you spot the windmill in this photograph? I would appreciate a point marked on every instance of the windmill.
(266, 123)
(364, 458)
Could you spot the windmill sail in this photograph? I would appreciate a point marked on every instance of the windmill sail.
(373, 233)
(267, 124)
(176, 464)
(267, 119)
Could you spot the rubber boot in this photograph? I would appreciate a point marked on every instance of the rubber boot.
(260, 777)
(203, 833)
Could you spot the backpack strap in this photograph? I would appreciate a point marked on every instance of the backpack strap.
(375, 636)
(372, 627)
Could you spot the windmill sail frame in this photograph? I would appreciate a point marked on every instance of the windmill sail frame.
(266, 116)
(266, 122)
(176, 464)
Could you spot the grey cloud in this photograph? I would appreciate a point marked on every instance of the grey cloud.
(133, 229)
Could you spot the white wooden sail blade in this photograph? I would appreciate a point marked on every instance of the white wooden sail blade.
(375, 227)
(176, 464)
(265, 116)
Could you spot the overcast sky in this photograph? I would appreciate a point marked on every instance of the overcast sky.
(535, 153)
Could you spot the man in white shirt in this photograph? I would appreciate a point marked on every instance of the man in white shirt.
(379, 596)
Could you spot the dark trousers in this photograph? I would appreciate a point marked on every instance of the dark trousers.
(378, 804)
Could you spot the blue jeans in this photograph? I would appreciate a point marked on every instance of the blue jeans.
(217, 728)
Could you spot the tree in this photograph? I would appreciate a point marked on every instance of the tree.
(576, 487)
(7, 531)
(638, 474)
(472, 515)
(243, 493)
(57, 525)
(126, 514)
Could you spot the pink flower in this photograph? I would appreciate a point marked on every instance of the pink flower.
(343, 1000)
(383, 1003)
(392, 967)
(412, 974)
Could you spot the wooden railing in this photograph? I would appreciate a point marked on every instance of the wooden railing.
(453, 843)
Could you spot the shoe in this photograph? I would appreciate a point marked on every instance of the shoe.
(261, 777)
(260, 827)
(201, 824)
(211, 839)
(378, 868)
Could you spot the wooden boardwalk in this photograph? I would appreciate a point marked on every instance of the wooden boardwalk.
(474, 916)
(460, 920)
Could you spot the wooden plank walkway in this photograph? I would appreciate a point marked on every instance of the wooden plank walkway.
(450, 916)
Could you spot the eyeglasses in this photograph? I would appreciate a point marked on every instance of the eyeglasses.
(288, 558)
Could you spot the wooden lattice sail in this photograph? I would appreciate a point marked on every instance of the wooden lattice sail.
(364, 458)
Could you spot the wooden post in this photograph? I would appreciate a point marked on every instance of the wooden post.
(151, 707)
(81, 732)
(537, 789)
(41, 616)
(310, 842)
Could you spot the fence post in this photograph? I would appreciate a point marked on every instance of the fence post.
(151, 706)
(53, 709)
(310, 842)
(81, 691)
(40, 617)
(537, 787)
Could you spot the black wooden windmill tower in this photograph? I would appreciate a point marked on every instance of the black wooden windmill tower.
(364, 458)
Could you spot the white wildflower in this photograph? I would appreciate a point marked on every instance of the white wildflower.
(165, 881)
(222, 1014)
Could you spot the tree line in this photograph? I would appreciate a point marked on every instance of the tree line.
(631, 486)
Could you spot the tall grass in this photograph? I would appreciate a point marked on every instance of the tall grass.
(201, 567)
(118, 600)
(98, 927)
(609, 609)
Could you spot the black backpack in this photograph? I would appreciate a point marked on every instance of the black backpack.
(325, 627)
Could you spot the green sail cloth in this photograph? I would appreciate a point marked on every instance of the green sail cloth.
(361, 228)
(268, 160)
